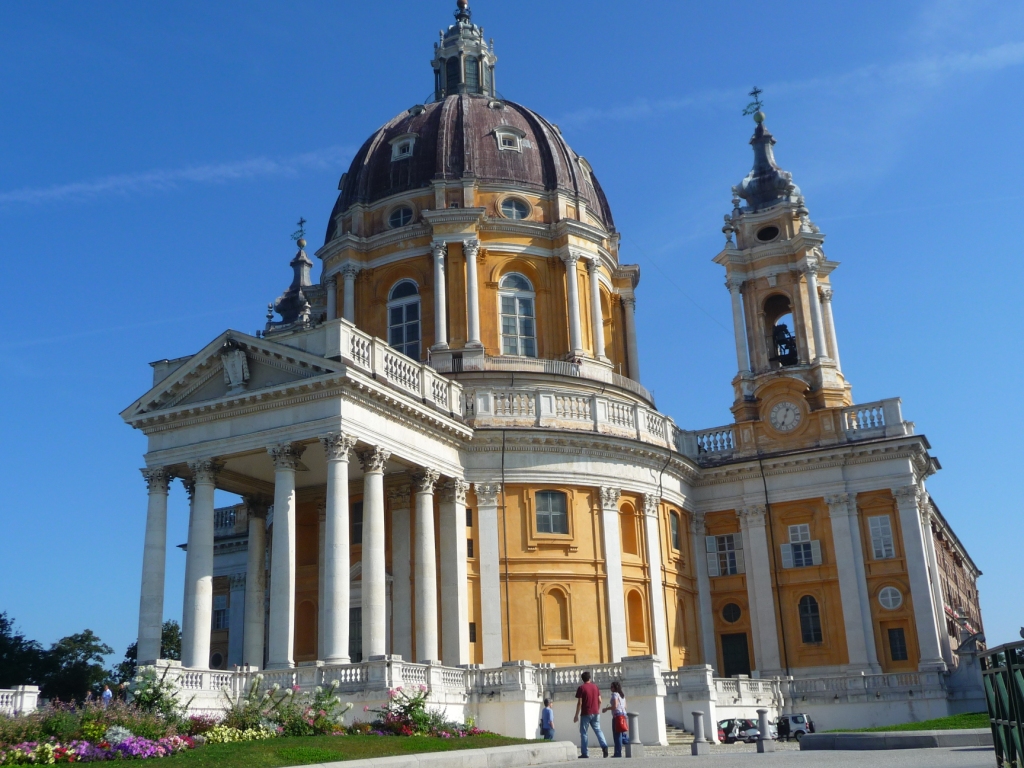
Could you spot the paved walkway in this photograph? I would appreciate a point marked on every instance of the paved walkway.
(968, 757)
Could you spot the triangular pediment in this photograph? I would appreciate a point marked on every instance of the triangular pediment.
(232, 365)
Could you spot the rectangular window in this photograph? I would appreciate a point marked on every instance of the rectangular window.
(472, 631)
(898, 645)
(220, 611)
(469, 548)
(356, 515)
(801, 551)
(725, 554)
(469, 518)
(674, 521)
(551, 512)
(881, 537)
(355, 634)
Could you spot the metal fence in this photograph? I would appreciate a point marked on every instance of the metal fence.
(1003, 674)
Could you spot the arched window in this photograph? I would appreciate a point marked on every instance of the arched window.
(518, 317)
(810, 620)
(635, 617)
(556, 616)
(677, 541)
(627, 531)
(782, 347)
(472, 74)
(452, 75)
(404, 319)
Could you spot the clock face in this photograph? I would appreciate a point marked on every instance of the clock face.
(785, 416)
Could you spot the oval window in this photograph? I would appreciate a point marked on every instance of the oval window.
(766, 234)
(514, 208)
(890, 598)
(732, 613)
(400, 217)
(216, 661)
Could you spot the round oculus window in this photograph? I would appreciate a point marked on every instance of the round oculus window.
(890, 598)
(731, 613)
(514, 208)
(767, 234)
(400, 217)
(216, 661)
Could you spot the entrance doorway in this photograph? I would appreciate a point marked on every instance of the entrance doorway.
(735, 657)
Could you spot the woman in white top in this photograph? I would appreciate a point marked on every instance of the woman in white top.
(620, 724)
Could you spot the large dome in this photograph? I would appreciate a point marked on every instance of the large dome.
(457, 137)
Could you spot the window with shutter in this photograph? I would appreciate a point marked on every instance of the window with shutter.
(711, 547)
(787, 555)
(725, 554)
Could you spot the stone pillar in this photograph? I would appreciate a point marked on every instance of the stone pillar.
(825, 292)
(760, 592)
(186, 617)
(908, 502)
(154, 556)
(440, 298)
(236, 619)
(281, 645)
(632, 353)
(572, 292)
(321, 575)
(199, 590)
(331, 284)
(401, 571)
(471, 249)
(490, 572)
(652, 524)
(739, 325)
(425, 588)
(255, 581)
(853, 586)
(708, 647)
(608, 498)
(933, 571)
(596, 316)
(334, 607)
(348, 307)
(820, 349)
(454, 584)
(374, 566)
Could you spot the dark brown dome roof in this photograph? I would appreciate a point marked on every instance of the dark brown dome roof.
(455, 138)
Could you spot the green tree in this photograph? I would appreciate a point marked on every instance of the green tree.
(73, 667)
(170, 648)
(20, 659)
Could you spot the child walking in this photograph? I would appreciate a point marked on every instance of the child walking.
(547, 721)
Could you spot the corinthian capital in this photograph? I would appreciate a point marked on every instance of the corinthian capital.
(825, 292)
(454, 491)
(157, 479)
(841, 504)
(204, 471)
(629, 301)
(697, 525)
(373, 459)
(471, 248)
(439, 250)
(400, 496)
(651, 504)
(256, 506)
(610, 497)
(337, 446)
(752, 515)
(908, 495)
(487, 493)
(349, 272)
(734, 284)
(286, 455)
(571, 257)
(425, 480)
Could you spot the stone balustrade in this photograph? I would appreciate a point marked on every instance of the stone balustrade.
(21, 698)
(883, 418)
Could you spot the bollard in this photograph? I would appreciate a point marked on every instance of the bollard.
(635, 747)
(700, 745)
(764, 741)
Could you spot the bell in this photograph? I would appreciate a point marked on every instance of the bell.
(785, 346)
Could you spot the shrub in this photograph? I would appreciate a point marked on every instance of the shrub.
(223, 734)
(152, 692)
(406, 714)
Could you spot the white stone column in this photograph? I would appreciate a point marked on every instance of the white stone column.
(853, 586)
(400, 498)
(425, 588)
(374, 590)
(739, 325)
(652, 522)
(908, 503)
(471, 249)
(760, 591)
(281, 639)
(186, 617)
(236, 619)
(334, 606)
(820, 349)
(154, 557)
(440, 298)
(199, 590)
(349, 293)
(255, 582)
(454, 575)
(490, 573)
(321, 574)
(331, 285)
(833, 343)
(608, 498)
(572, 292)
(698, 532)
(596, 316)
(933, 571)
(632, 353)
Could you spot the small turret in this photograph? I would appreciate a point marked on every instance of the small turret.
(766, 184)
(293, 305)
(463, 61)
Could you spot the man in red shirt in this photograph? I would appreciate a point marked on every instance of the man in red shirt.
(588, 713)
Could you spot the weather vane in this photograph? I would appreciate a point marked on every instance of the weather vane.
(300, 233)
(756, 105)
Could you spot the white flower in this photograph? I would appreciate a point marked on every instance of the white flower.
(335, 683)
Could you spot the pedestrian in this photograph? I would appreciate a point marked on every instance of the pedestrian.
(588, 713)
(620, 724)
(547, 721)
(784, 727)
(107, 696)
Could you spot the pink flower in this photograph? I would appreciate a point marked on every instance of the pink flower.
(366, 709)
(423, 687)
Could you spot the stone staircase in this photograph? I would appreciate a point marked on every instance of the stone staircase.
(677, 737)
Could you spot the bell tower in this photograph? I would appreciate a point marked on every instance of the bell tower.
(779, 280)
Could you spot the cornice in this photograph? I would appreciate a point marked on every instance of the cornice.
(453, 216)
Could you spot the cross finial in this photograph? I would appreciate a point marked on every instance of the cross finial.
(755, 106)
(300, 233)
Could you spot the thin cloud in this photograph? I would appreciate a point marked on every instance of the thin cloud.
(168, 179)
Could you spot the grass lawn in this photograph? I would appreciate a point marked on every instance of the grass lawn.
(951, 723)
(274, 753)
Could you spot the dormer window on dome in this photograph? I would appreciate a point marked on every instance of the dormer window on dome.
(510, 139)
(402, 146)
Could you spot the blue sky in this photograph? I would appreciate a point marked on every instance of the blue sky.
(156, 157)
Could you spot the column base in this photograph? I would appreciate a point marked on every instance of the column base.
(439, 346)
(932, 665)
(337, 660)
(283, 665)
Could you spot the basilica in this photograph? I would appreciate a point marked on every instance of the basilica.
(450, 472)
